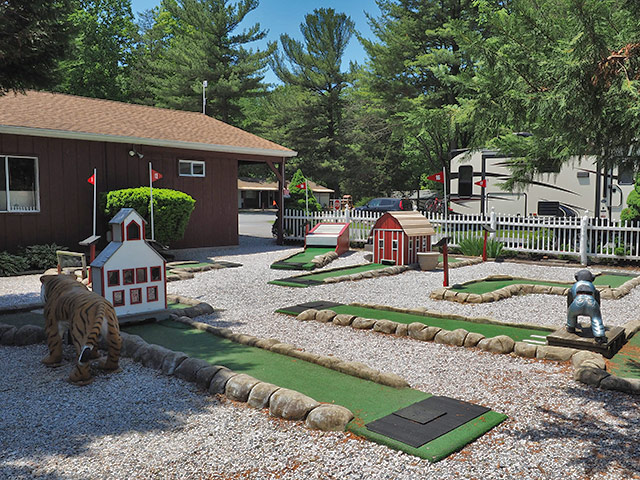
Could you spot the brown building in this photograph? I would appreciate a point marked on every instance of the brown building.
(50, 144)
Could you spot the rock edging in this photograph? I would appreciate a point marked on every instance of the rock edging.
(196, 309)
(355, 369)
(320, 261)
(590, 367)
(217, 379)
(381, 272)
(446, 293)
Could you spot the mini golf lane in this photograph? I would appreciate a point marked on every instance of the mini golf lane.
(367, 400)
(312, 279)
(485, 286)
(626, 363)
(519, 334)
(301, 260)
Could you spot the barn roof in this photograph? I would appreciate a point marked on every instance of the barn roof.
(59, 115)
(413, 223)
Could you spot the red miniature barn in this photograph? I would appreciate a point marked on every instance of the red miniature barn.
(329, 235)
(399, 236)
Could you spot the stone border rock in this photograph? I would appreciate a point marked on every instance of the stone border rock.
(355, 369)
(590, 367)
(446, 293)
(196, 309)
(320, 261)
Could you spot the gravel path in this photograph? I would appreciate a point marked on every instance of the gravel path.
(138, 424)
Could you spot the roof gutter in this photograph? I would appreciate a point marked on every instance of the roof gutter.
(153, 142)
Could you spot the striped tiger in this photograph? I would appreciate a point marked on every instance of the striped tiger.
(87, 315)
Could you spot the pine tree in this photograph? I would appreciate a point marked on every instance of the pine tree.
(205, 45)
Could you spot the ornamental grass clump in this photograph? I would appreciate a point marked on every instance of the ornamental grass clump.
(473, 246)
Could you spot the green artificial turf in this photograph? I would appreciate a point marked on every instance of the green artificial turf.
(299, 281)
(487, 329)
(626, 363)
(367, 400)
(303, 257)
(485, 286)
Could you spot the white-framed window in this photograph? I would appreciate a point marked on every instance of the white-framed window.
(19, 189)
(191, 168)
(394, 245)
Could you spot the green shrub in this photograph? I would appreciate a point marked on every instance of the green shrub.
(41, 257)
(12, 264)
(632, 212)
(171, 210)
(473, 246)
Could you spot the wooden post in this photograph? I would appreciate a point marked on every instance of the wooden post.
(445, 262)
(281, 185)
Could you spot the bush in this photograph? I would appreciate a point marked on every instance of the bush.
(12, 264)
(41, 257)
(473, 246)
(171, 210)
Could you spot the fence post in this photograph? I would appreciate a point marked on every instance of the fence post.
(584, 225)
(494, 223)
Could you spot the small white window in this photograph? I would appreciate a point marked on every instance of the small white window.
(19, 190)
(381, 242)
(411, 244)
(191, 168)
(394, 245)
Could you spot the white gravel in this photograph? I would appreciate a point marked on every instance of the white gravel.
(138, 424)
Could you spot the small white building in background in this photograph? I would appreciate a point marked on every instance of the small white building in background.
(129, 272)
(254, 193)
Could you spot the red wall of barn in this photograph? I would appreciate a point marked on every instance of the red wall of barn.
(66, 208)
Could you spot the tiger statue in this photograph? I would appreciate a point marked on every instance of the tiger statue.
(87, 315)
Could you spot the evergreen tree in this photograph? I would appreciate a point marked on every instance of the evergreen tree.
(300, 198)
(314, 66)
(100, 53)
(35, 36)
(204, 45)
(573, 83)
(420, 73)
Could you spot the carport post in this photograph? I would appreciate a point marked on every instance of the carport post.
(281, 186)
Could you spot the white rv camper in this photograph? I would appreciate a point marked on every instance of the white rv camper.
(576, 190)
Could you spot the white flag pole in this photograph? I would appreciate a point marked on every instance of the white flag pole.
(153, 236)
(95, 206)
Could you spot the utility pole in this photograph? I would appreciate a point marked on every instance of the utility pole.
(204, 97)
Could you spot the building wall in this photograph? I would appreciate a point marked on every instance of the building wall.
(66, 198)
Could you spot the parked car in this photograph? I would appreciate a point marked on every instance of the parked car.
(387, 205)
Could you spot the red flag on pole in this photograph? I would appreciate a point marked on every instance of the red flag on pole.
(437, 177)
(302, 186)
(482, 183)
(155, 175)
(92, 179)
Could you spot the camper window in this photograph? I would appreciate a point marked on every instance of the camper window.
(625, 175)
(465, 181)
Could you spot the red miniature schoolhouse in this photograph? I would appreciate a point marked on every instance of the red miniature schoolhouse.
(129, 272)
(399, 236)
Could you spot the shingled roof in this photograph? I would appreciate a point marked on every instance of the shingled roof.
(67, 116)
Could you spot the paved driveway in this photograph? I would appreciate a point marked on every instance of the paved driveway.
(256, 224)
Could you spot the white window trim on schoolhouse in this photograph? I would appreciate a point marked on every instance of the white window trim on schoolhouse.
(7, 205)
(191, 164)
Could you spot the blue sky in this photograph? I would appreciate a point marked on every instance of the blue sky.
(285, 16)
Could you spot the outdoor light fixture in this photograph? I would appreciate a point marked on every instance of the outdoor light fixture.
(133, 153)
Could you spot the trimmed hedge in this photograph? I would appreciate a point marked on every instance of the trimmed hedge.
(171, 210)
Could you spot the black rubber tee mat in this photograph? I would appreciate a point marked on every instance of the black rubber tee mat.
(426, 420)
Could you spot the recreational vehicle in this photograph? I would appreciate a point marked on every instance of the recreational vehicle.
(577, 189)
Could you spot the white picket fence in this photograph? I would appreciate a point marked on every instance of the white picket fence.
(582, 237)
